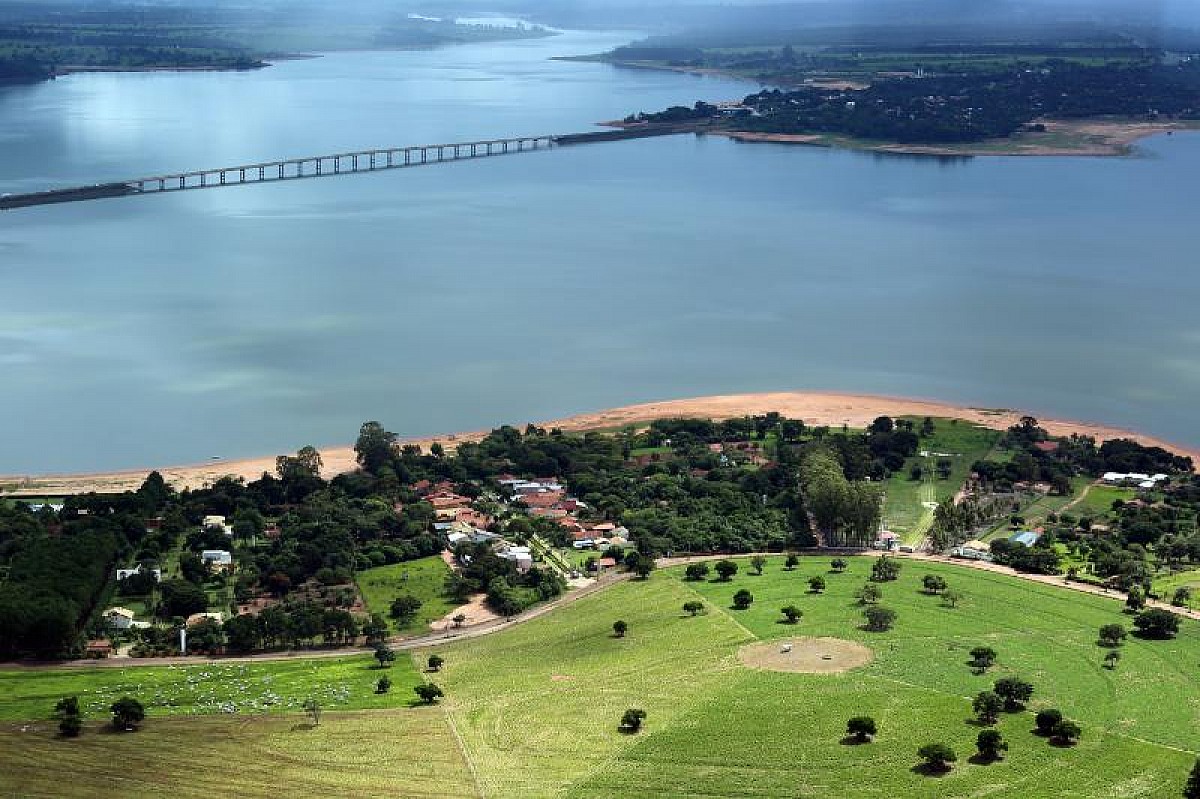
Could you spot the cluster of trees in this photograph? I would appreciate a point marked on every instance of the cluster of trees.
(509, 592)
(846, 512)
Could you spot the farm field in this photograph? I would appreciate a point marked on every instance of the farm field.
(537, 706)
(424, 578)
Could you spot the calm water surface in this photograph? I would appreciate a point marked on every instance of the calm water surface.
(254, 320)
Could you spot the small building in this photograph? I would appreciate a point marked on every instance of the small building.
(521, 556)
(97, 649)
(1026, 537)
(218, 523)
(217, 558)
(119, 618)
(196, 618)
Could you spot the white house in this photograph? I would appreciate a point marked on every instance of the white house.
(522, 556)
(217, 558)
(122, 619)
(218, 523)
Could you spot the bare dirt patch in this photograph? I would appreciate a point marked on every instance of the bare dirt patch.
(806, 655)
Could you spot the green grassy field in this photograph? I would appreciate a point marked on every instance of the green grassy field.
(425, 579)
(536, 707)
(263, 687)
(967, 443)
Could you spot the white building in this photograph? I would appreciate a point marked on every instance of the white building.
(522, 556)
(218, 523)
(122, 619)
(217, 558)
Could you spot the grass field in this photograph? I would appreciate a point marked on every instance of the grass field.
(537, 706)
(425, 579)
(904, 512)
(263, 687)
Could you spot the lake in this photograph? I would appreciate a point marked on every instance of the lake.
(247, 321)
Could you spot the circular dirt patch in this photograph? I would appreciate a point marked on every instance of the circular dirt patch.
(806, 655)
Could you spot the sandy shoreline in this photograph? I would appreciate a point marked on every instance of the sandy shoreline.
(814, 407)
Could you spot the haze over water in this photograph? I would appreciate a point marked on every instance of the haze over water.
(247, 321)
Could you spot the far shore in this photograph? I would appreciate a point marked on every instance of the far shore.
(816, 408)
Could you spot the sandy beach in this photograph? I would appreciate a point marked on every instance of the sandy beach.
(814, 407)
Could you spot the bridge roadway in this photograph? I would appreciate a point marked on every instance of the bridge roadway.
(296, 168)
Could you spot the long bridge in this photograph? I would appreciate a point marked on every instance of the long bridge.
(317, 166)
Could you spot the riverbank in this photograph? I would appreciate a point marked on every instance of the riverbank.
(814, 407)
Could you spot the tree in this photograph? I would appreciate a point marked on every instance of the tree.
(696, 571)
(693, 607)
(385, 655)
(375, 447)
(127, 713)
(1191, 789)
(791, 562)
(436, 662)
(181, 598)
(987, 706)
(1112, 634)
(951, 597)
(1046, 720)
(791, 614)
(428, 692)
(383, 685)
(885, 570)
(879, 619)
(816, 584)
(70, 720)
(1065, 733)
(1014, 691)
(458, 619)
(869, 594)
(312, 707)
(632, 719)
(620, 628)
(757, 563)
(838, 565)
(937, 757)
(1110, 659)
(726, 569)
(742, 599)
(933, 583)
(404, 608)
(982, 658)
(1136, 599)
(1181, 597)
(862, 728)
(375, 629)
(991, 745)
(1156, 623)
(642, 566)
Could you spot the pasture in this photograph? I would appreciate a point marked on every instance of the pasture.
(424, 578)
(536, 706)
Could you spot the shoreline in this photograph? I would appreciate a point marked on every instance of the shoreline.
(814, 407)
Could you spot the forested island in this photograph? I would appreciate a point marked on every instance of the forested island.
(279, 561)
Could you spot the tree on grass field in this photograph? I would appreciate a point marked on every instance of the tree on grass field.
(726, 569)
(742, 599)
(933, 583)
(791, 614)
(1112, 634)
(428, 692)
(951, 597)
(1157, 624)
(127, 713)
(620, 628)
(937, 757)
(313, 708)
(987, 706)
(816, 584)
(1136, 598)
(885, 570)
(404, 608)
(385, 655)
(991, 745)
(696, 571)
(375, 629)
(982, 658)
(1065, 733)
(643, 566)
(869, 594)
(693, 608)
(861, 728)
(1046, 720)
(792, 561)
(838, 565)
(879, 619)
(383, 685)
(632, 719)
(1014, 691)
(436, 662)
(1181, 597)
(70, 720)
(1110, 659)
(757, 563)
(1191, 789)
